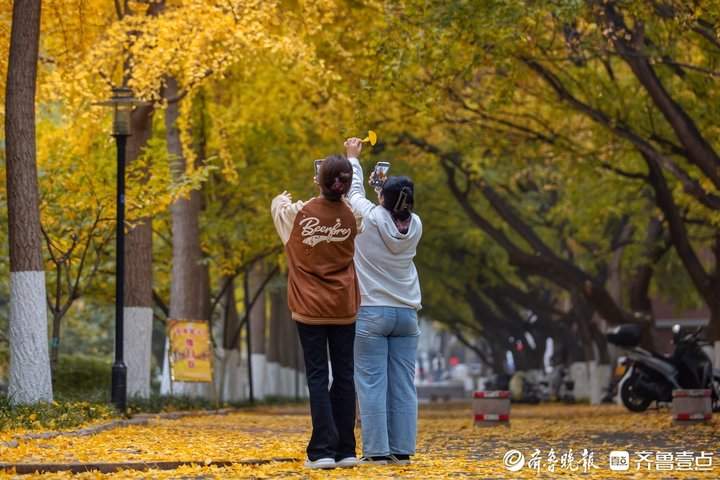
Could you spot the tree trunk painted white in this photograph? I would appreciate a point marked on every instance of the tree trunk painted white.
(138, 352)
(273, 379)
(219, 373)
(259, 377)
(282, 387)
(30, 380)
(279, 314)
(304, 391)
(166, 380)
(580, 374)
(256, 276)
(138, 301)
(234, 380)
(716, 360)
(288, 375)
(189, 288)
(599, 381)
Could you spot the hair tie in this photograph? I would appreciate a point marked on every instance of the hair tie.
(337, 186)
(402, 204)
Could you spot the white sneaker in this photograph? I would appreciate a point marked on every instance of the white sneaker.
(321, 463)
(348, 462)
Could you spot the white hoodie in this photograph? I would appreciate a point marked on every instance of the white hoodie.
(383, 255)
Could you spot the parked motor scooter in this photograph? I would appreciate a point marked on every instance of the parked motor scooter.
(651, 376)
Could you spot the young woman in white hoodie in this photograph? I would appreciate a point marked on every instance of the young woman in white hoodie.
(386, 333)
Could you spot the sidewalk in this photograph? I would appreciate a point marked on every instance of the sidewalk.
(448, 445)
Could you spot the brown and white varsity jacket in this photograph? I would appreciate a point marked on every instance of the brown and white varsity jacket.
(319, 237)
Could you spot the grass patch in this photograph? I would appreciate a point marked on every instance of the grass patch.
(82, 378)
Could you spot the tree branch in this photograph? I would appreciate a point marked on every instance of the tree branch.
(251, 304)
(700, 152)
(692, 187)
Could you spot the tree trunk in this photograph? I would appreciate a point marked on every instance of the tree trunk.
(640, 302)
(55, 342)
(230, 325)
(299, 367)
(286, 340)
(257, 328)
(278, 316)
(499, 356)
(188, 287)
(541, 260)
(714, 305)
(30, 379)
(714, 302)
(231, 319)
(714, 329)
(138, 312)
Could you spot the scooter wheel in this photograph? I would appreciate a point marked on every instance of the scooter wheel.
(631, 399)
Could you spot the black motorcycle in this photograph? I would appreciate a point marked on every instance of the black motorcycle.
(651, 376)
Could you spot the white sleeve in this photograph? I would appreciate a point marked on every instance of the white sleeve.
(356, 196)
(358, 217)
(283, 215)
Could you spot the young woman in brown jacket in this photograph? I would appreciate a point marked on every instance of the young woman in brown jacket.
(323, 296)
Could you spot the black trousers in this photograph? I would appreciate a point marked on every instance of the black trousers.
(332, 410)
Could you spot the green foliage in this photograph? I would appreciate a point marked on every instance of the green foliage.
(82, 377)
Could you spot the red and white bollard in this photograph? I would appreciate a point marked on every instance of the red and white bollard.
(691, 406)
(492, 407)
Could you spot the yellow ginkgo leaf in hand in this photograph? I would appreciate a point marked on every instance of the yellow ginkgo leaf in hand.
(371, 137)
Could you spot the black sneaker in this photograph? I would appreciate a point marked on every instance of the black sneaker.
(399, 459)
(384, 460)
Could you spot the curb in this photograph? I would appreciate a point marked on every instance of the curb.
(37, 468)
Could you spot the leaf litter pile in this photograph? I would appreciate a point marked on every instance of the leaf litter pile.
(449, 446)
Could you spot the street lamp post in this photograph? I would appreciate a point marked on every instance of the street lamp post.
(122, 102)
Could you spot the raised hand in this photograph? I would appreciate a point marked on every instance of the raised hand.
(353, 147)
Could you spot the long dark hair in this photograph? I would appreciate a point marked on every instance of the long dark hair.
(399, 197)
(335, 177)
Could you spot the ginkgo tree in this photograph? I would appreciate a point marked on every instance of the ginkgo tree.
(534, 126)
(139, 46)
(550, 101)
(29, 380)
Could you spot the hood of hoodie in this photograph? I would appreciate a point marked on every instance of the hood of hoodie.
(395, 241)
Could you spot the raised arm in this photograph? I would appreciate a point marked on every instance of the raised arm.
(283, 212)
(356, 195)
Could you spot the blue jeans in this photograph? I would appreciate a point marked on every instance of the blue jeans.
(386, 341)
